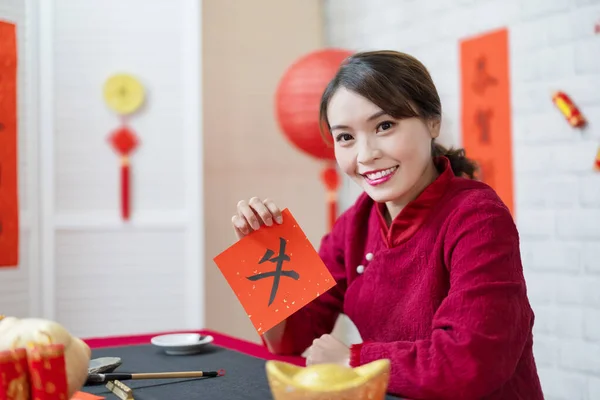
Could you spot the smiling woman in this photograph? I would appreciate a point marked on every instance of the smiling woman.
(426, 262)
(384, 114)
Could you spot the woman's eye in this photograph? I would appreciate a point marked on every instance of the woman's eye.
(385, 125)
(343, 137)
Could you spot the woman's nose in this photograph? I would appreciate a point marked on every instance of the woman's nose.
(367, 153)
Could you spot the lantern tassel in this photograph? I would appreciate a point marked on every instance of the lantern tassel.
(125, 194)
(332, 202)
(331, 180)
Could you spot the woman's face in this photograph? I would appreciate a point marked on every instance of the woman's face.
(389, 158)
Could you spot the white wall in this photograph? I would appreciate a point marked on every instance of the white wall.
(97, 274)
(18, 286)
(557, 202)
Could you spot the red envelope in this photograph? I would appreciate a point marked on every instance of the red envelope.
(274, 272)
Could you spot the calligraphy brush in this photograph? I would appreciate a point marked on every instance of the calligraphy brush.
(103, 378)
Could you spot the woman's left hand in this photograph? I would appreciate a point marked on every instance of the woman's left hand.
(328, 349)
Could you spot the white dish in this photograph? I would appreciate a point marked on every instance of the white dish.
(181, 343)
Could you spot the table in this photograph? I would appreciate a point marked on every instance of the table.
(243, 361)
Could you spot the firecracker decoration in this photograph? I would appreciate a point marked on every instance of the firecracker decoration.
(597, 161)
(124, 94)
(297, 101)
(566, 106)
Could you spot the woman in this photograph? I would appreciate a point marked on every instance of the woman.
(427, 262)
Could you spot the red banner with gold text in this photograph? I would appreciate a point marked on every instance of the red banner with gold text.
(486, 116)
(9, 208)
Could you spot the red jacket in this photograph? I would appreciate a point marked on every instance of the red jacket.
(440, 293)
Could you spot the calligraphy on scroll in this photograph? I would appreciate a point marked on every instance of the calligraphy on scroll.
(274, 272)
(486, 118)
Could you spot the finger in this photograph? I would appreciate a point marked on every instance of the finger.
(262, 211)
(329, 339)
(244, 211)
(240, 227)
(275, 211)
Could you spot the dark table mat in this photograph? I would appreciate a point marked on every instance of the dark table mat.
(245, 377)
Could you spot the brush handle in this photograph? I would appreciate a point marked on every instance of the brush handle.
(161, 375)
(170, 375)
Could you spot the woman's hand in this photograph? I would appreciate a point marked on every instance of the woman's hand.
(253, 214)
(328, 350)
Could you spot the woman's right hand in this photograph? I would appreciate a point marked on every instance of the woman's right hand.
(254, 213)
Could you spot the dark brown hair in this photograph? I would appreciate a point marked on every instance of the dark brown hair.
(402, 87)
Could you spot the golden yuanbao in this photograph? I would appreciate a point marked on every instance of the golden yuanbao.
(328, 381)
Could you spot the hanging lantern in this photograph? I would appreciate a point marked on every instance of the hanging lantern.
(597, 160)
(297, 103)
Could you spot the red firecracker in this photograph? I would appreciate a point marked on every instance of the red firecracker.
(124, 142)
(297, 99)
(566, 106)
(48, 372)
(14, 375)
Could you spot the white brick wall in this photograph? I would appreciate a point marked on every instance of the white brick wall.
(557, 195)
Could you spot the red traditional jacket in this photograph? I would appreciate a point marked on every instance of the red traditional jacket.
(440, 293)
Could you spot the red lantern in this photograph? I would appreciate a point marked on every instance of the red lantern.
(297, 108)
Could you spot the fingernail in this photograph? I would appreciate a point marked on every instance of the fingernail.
(279, 220)
(268, 222)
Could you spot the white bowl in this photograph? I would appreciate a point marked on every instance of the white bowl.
(181, 343)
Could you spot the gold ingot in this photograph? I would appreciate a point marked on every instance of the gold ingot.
(328, 381)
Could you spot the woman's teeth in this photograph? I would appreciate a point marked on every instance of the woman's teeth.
(380, 174)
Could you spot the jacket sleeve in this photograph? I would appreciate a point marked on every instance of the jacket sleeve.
(319, 316)
(480, 329)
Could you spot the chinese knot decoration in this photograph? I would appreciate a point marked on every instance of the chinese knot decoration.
(297, 100)
(124, 94)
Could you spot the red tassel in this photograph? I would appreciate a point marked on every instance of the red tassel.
(125, 182)
(332, 212)
(331, 179)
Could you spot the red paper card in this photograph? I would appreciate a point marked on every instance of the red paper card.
(86, 396)
(274, 272)
(9, 208)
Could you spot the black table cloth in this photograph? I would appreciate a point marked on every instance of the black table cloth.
(245, 376)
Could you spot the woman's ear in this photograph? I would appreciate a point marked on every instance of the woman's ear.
(434, 125)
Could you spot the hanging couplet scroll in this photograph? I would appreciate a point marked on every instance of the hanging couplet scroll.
(486, 117)
(124, 94)
(9, 206)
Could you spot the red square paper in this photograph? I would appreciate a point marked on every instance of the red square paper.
(250, 267)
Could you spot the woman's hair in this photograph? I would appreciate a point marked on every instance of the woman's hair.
(401, 86)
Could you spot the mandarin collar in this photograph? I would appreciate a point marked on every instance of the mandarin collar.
(415, 213)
